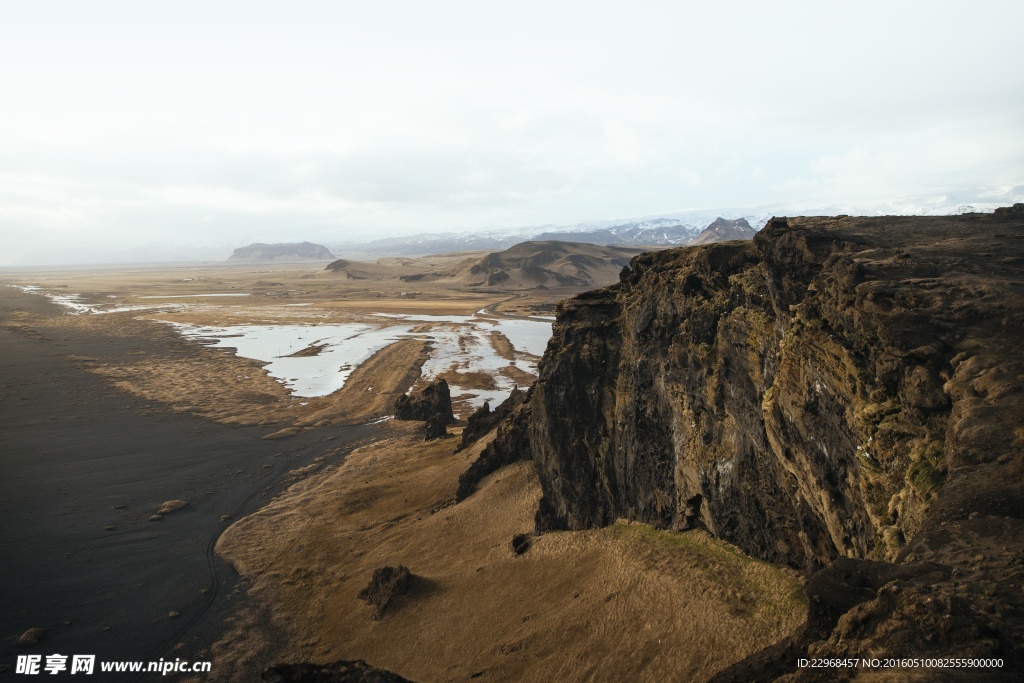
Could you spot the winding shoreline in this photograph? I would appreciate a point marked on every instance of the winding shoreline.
(86, 465)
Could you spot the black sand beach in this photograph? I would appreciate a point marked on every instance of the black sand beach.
(84, 466)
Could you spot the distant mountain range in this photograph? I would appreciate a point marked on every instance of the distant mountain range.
(542, 263)
(656, 232)
(665, 231)
(673, 229)
(648, 232)
(670, 229)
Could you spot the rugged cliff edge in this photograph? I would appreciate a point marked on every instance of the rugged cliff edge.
(836, 388)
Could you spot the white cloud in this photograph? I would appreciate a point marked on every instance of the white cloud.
(220, 121)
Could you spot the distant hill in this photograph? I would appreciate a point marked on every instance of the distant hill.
(546, 264)
(399, 268)
(543, 264)
(528, 265)
(723, 230)
(294, 251)
(361, 270)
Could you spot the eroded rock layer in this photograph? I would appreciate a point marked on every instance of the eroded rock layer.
(836, 388)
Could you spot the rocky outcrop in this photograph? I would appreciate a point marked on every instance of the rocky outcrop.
(386, 584)
(31, 637)
(510, 445)
(832, 593)
(836, 388)
(432, 404)
(483, 420)
(436, 428)
(355, 671)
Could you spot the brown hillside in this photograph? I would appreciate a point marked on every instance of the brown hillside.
(552, 264)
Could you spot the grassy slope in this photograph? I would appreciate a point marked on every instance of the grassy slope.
(622, 603)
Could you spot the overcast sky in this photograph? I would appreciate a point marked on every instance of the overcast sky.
(223, 123)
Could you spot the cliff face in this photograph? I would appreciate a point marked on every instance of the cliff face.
(838, 387)
(803, 396)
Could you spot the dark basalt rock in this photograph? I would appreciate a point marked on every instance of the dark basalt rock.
(31, 637)
(832, 593)
(509, 446)
(387, 583)
(355, 671)
(521, 543)
(1016, 209)
(483, 420)
(838, 389)
(497, 278)
(436, 428)
(433, 403)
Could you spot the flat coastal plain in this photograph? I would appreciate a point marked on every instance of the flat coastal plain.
(292, 502)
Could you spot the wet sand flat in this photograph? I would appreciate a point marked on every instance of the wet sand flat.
(73, 450)
(269, 315)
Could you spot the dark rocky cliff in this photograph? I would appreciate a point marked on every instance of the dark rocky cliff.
(836, 388)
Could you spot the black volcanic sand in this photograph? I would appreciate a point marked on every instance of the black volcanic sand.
(79, 456)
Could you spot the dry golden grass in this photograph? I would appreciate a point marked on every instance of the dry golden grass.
(518, 375)
(219, 386)
(371, 389)
(468, 380)
(502, 346)
(434, 304)
(273, 289)
(623, 603)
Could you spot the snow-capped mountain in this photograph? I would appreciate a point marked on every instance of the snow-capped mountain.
(678, 228)
(662, 230)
